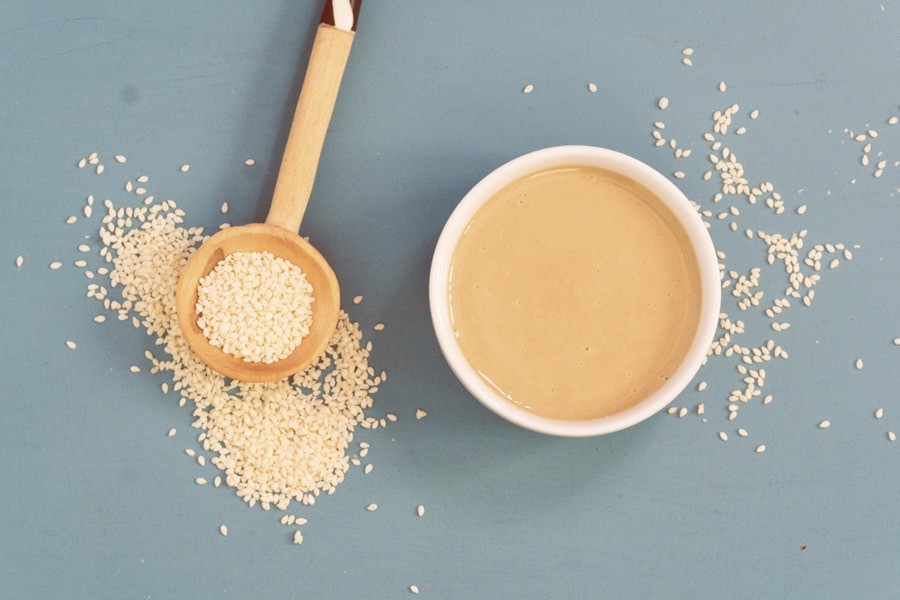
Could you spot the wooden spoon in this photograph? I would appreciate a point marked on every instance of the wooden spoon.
(278, 235)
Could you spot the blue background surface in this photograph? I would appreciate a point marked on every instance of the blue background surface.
(98, 502)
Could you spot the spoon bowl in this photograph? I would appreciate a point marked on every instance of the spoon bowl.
(260, 237)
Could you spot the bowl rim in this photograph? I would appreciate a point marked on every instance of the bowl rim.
(661, 187)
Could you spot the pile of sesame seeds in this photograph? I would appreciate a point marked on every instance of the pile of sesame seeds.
(273, 443)
(802, 264)
(255, 306)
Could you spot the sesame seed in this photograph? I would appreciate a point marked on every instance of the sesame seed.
(55, 265)
(378, 327)
(120, 159)
(722, 86)
(801, 209)
(190, 452)
(100, 319)
(372, 507)
(592, 88)
(824, 424)
(528, 89)
(71, 220)
(84, 248)
(357, 299)
(217, 481)
(767, 399)
(420, 413)
(71, 345)
(701, 409)
(185, 168)
(20, 260)
(88, 211)
(701, 386)
(897, 341)
(688, 51)
(224, 208)
(100, 169)
(172, 432)
(200, 481)
(82, 163)
(687, 61)
(872, 133)
(682, 412)
(893, 120)
(143, 179)
(420, 510)
(740, 130)
(223, 529)
(678, 174)
(742, 432)
(891, 436)
(414, 589)
(368, 468)
(663, 103)
(859, 363)
(250, 162)
(761, 448)
(754, 113)
(723, 436)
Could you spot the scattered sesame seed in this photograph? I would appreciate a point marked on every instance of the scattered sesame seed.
(100, 319)
(217, 481)
(372, 507)
(687, 62)
(20, 260)
(420, 413)
(663, 103)
(368, 468)
(357, 299)
(701, 386)
(55, 265)
(250, 162)
(740, 130)
(859, 363)
(143, 179)
(824, 424)
(722, 86)
(82, 163)
(71, 345)
(754, 113)
(688, 51)
(678, 174)
(120, 159)
(164, 387)
(223, 529)
(134, 369)
(893, 120)
(190, 452)
(378, 327)
(761, 448)
(84, 248)
(100, 169)
(420, 510)
(298, 537)
(185, 168)
(742, 432)
(71, 220)
(592, 88)
(528, 89)
(414, 589)
(200, 481)
(801, 209)
(224, 208)
(723, 436)
(767, 399)
(172, 432)
(897, 341)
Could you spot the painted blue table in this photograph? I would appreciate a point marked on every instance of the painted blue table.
(98, 502)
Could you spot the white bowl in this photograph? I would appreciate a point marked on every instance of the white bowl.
(659, 185)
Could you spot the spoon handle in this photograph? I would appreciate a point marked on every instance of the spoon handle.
(311, 117)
